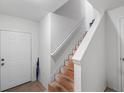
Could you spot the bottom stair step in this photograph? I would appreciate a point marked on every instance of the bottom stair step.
(65, 81)
(56, 87)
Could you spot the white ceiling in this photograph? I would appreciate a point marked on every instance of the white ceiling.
(103, 5)
(30, 9)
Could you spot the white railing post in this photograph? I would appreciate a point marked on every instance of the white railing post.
(77, 77)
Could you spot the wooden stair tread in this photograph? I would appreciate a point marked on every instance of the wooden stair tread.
(69, 64)
(62, 76)
(66, 82)
(67, 72)
(56, 87)
(69, 67)
(69, 60)
(70, 56)
(74, 50)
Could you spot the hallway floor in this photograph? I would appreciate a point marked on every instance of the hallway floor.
(109, 90)
(28, 87)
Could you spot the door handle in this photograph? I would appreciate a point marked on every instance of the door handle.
(122, 59)
(2, 64)
(2, 59)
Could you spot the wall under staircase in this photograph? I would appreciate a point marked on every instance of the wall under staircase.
(90, 59)
(89, 62)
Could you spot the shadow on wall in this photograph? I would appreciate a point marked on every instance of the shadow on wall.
(92, 22)
(71, 10)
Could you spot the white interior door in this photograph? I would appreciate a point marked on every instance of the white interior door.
(122, 54)
(15, 59)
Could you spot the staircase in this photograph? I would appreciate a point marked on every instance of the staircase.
(64, 80)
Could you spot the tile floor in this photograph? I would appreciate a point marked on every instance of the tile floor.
(28, 87)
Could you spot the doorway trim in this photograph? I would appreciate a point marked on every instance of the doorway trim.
(119, 51)
(19, 31)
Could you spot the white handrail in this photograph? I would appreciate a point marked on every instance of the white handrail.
(67, 38)
(84, 45)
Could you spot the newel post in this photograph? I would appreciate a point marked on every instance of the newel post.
(77, 77)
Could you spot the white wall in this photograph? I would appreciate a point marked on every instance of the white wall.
(73, 9)
(90, 59)
(11, 23)
(94, 62)
(61, 27)
(45, 44)
(112, 64)
(84, 10)
(113, 33)
(90, 14)
(103, 5)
